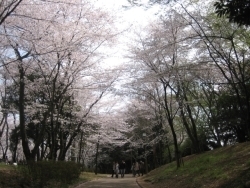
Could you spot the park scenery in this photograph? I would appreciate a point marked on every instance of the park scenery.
(161, 88)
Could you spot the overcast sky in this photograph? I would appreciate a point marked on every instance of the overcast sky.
(129, 14)
(129, 18)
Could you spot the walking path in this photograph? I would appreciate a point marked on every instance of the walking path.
(108, 182)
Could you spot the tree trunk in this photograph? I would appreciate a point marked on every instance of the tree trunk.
(25, 143)
(169, 153)
(96, 156)
(80, 148)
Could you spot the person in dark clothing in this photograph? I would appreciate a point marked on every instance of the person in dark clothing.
(122, 168)
(113, 169)
(137, 168)
(133, 169)
(142, 167)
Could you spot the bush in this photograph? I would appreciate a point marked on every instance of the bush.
(50, 174)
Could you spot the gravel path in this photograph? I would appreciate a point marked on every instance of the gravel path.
(127, 182)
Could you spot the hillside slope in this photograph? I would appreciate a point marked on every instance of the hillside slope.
(226, 167)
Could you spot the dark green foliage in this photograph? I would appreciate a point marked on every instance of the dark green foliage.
(237, 11)
(230, 118)
(49, 174)
(187, 148)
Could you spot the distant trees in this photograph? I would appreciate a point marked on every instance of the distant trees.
(147, 136)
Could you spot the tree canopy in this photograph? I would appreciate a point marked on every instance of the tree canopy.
(237, 11)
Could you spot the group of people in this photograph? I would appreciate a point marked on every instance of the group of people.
(118, 168)
(138, 168)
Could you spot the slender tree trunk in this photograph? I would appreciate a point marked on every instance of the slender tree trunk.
(96, 156)
(155, 156)
(171, 124)
(169, 153)
(175, 144)
(80, 148)
(7, 134)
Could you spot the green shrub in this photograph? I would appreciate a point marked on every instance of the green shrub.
(248, 163)
(50, 173)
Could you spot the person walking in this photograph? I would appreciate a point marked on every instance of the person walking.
(133, 169)
(113, 169)
(116, 169)
(137, 168)
(122, 168)
(142, 167)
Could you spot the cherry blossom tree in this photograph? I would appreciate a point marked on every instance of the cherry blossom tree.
(7, 7)
(159, 54)
(52, 57)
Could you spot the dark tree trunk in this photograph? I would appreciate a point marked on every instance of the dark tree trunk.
(25, 144)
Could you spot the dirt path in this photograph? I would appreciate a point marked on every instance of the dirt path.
(109, 182)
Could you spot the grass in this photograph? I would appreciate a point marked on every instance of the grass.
(227, 167)
(3, 166)
(87, 176)
(9, 177)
